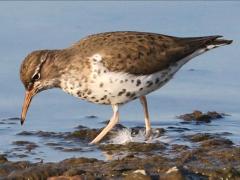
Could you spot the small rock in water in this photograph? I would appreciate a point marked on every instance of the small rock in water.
(12, 119)
(91, 117)
(29, 146)
(202, 117)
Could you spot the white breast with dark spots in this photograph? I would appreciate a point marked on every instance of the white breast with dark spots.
(119, 87)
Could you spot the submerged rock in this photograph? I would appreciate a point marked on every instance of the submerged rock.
(199, 116)
(29, 146)
(209, 140)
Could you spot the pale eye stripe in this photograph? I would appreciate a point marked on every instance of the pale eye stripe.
(37, 70)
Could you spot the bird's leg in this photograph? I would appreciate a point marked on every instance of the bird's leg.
(111, 124)
(143, 101)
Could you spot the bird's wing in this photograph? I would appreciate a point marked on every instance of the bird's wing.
(141, 53)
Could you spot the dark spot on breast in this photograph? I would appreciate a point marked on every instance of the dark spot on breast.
(132, 80)
(126, 80)
(101, 85)
(93, 97)
(79, 93)
(138, 82)
(132, 95)
(128, 94)
(149, 83)
(157, 81)
(89, 92)
(121, 81)
(140, 89)
(122, 92)
(104, 97)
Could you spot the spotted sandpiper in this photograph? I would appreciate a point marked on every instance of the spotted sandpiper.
(112, 68)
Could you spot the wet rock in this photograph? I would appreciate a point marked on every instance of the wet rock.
(229, 173)
(133, 147)
(26, 144)
(43, 134)
(209, 140)
(200, 137)
(179, 147)
(84, 134)
(12, 119)
(118, 126)
(52, 144)
(25, 133)
(9, 167)
(199, 116)
(82, 160)
(3, 159)
(178, 129)
(37, 172)
(200, 163)
(81, 127)
(217, 142)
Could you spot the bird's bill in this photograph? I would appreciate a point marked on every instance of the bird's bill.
(27, 100)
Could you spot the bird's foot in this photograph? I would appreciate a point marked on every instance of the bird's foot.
(148, 134)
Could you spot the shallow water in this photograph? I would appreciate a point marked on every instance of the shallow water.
(208, 83)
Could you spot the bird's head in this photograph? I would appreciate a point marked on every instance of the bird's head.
(38, 72)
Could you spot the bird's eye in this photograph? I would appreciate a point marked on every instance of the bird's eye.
(36, 77)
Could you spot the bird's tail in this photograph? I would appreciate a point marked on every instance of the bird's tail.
(206, 43)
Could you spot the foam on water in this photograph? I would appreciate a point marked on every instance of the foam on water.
(125, 136)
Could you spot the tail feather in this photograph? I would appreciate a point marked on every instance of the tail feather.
(207, 42)
(221, 42)
(216, 42)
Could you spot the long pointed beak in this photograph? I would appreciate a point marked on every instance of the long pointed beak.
(27, 100)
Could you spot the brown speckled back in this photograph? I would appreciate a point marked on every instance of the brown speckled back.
(138, 52)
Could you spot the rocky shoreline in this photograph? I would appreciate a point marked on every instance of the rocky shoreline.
(212, 156)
